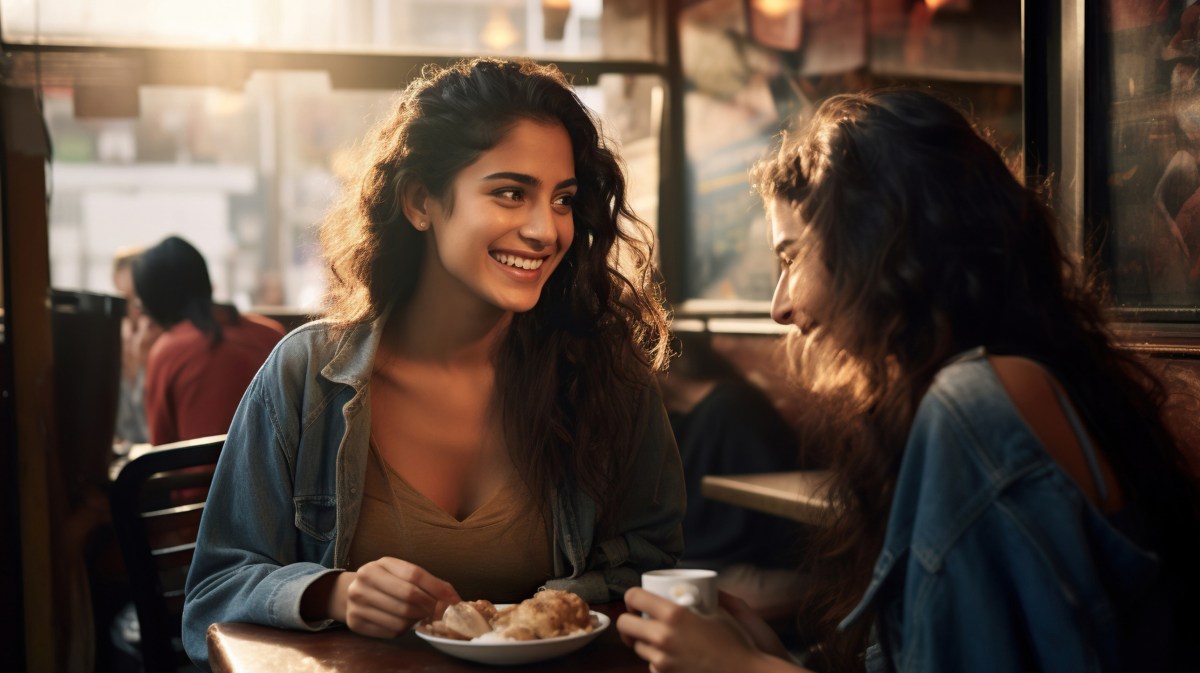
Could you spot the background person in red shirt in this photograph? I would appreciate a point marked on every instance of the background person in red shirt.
(199, 368)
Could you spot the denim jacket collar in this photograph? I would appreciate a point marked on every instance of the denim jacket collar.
(354, 358)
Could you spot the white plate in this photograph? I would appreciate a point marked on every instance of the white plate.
(517, 651)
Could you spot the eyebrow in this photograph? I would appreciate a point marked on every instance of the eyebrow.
(783, 245)
(528, 180)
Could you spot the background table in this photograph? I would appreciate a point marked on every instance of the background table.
(795, 495)
(243, 648)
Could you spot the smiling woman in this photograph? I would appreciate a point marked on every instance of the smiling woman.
(508, 227)
(482, 381)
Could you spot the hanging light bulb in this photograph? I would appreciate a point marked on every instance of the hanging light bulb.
(776, 9)
(958, 5)
(499, 33)
(776, 23)
(554, 18)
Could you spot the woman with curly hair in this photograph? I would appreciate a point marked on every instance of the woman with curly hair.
(1006, 495)
(476, 415)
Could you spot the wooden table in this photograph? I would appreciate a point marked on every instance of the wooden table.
(246, 648)
(795, 495)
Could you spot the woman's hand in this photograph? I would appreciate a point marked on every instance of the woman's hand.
(137, 336)
(675, 639)
(746, 620)
(384, 598)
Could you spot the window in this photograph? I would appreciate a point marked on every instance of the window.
(239, 151)
(592, 29)
(1143, 157)
(743, 85)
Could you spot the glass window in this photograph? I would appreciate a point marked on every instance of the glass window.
(751, 66)
(1143, 130)
(968, 40)
(594, 29)
(247, 175)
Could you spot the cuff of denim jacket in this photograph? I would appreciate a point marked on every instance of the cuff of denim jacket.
(290, 597)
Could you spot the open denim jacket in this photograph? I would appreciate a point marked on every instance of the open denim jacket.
(287, 491)
(994, 560)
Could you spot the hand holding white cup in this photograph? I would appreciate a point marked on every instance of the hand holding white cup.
(689, 587)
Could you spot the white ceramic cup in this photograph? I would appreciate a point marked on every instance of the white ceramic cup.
(690, 587)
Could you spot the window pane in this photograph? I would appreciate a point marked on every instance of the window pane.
(1143, 147)
(972, 40)
(604, 29)
(744, 82)
(247, 175)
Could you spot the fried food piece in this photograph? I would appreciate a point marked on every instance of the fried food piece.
(550, 613)
(463, 621)
(438, 629)
(485, 608)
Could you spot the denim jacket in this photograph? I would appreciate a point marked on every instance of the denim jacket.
(288, 487)
(993, 558)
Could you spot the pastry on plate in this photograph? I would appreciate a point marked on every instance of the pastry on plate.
(549, 614)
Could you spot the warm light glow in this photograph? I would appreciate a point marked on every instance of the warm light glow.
(777, 24)
(499, 33)
(775, 9)
(554, 18)
(935, 5)
(220, 21)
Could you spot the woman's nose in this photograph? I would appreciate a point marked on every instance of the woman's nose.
(781, 304)
(540, 227)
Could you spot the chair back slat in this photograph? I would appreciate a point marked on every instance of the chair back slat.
(173, 526)
(157, 501)
(185, 486)
(170, 558)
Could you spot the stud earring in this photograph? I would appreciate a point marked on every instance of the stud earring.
(422, 225)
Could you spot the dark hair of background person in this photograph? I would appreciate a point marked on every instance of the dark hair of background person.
(598, 329)
(934, 247)
(171, 280)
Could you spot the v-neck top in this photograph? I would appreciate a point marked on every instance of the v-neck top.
(501, 551)
(287, 496)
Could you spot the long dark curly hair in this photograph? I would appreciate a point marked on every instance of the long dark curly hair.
(934, 247)
(570, 371)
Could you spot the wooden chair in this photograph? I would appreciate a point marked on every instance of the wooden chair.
(156, 500)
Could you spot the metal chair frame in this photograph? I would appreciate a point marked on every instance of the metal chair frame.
(162, 471)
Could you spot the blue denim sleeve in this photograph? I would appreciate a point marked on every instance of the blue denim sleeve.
(245, 567)
(998, 601)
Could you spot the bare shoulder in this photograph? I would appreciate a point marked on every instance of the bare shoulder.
(1041, 400)
(1021, 374)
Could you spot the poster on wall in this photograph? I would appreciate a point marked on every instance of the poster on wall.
(1144, 154)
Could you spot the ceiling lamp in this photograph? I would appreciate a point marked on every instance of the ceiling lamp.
(777, 24)
(554, 18)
